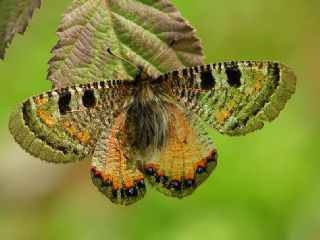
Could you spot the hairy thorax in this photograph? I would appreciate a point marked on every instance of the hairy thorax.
(147, 115)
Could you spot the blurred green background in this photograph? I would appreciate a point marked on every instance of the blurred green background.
(267, 184)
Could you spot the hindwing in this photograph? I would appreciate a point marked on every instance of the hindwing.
(186, 160)
(114, 170)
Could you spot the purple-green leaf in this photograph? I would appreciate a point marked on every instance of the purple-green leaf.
(14, 18)
(137, 30)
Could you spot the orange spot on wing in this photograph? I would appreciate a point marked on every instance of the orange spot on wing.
(201, 163)
(40, 101)
(222, 115)
(140, 178)
(105, 177)
(151, 165)
(260, 83)
(129, 184)
(189, 176)
(82, 136)
(48, 120)
(116, 185)
(176, 178)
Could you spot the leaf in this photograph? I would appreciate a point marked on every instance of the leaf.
(137, 30)
(14, 18)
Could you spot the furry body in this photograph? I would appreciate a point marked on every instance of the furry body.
(148, 113)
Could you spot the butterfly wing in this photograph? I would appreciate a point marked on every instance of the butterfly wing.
(186, 160)
(114, 170)
(63, 125)
(233, 97)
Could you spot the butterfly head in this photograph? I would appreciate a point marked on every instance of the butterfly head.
(142, 75)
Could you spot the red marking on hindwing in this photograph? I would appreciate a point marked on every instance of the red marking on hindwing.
(116, 185)
(140, 178)
(203, 162)
(129, 184)
(189, 176)
(151, 165)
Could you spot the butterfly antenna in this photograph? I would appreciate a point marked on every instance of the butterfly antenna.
(170, 45)
(121, 74)
(123, 59)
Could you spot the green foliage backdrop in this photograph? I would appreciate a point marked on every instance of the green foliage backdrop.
(267, 184)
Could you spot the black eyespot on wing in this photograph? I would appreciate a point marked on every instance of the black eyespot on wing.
(161, 179)
(234, 76)
(131, 192)
(88, 99)
(150, 171)
(64, 102)
(219, 67)
(106, 183)
(102, 84)
(96, 85)
(207, 80)
(189, 183)
(141, 183)
(175, 75)
(185, 72)
(200, 170)
(191, 71)
(175, 184)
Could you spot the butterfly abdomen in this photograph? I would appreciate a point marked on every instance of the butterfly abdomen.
(148, 115)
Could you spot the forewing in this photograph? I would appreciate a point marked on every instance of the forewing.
(233, 97)
(186, 160)
(63, 125)
(114, 170)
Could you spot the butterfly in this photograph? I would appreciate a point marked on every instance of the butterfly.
(149, 128)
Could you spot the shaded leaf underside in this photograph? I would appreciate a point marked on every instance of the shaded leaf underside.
(14, 18)
(137, 30)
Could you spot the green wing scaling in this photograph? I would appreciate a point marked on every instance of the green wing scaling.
(234, 97)
(63, 125)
